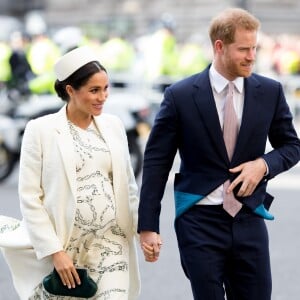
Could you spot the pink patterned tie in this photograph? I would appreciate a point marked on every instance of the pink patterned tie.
(230, 132)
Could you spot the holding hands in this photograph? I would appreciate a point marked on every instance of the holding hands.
(150, 244)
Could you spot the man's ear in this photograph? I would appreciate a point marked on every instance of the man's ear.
(219, 45)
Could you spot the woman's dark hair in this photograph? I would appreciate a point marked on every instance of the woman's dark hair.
(77, 79)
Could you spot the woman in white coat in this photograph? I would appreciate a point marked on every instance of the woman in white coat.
(77, 191)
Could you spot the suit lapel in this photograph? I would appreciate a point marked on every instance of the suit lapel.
(251, 109)
(205, 103)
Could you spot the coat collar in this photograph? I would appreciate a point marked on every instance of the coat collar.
(65, 143)
(220, 83)
(204, 100)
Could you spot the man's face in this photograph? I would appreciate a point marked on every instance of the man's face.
(237, 59)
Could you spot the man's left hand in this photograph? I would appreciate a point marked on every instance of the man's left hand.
(251, 173)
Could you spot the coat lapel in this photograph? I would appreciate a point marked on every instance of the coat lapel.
(65, 143)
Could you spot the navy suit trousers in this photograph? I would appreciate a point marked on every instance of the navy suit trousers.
(220, 253)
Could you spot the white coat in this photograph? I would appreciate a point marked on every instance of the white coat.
(47, 190)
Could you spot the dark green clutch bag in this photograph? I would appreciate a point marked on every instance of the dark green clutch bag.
(53, 285)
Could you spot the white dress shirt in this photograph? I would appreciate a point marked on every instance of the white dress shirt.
(219, 88)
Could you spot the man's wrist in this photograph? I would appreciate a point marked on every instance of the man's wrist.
(267, 167)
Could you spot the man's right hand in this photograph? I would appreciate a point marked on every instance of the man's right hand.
(151, 244)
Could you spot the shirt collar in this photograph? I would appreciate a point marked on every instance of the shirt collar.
(219, 82)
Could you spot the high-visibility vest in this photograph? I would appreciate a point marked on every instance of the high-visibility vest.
(5, 71)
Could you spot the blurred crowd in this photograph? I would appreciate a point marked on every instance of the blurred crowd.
(26, 59)
(279, 54)
(30, 58)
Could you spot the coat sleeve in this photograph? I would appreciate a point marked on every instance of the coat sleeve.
(159, 155)
(31, 194)
(131, 181)
(283, 138)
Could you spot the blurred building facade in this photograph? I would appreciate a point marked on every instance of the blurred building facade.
(19, 7)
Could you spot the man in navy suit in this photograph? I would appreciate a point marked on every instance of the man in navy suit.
(217, 249)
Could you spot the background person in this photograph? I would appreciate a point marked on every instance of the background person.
(21, 72)
(218, 248)
(77, 190)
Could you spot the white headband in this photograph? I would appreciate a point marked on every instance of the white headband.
(72, 61)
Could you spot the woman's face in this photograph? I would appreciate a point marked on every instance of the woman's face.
(89, 99)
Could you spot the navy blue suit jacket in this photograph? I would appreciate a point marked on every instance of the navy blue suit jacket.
(188, 122)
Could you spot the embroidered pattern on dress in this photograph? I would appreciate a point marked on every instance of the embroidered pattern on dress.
(84, 148)
(9, 224)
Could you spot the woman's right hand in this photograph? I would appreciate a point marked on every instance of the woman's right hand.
(66, 269)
